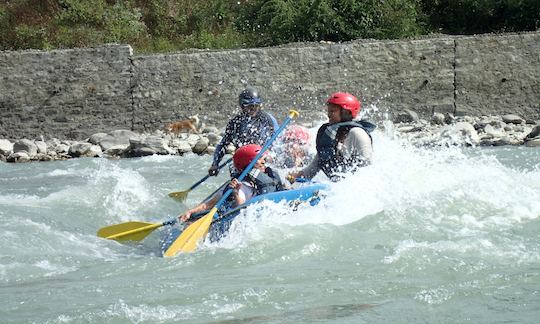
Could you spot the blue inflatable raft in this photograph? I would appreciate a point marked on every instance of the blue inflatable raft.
(308, 192)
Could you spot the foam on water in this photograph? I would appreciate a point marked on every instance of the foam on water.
(413, 189)
(129, 191)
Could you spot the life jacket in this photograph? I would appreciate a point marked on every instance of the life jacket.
(228, 204)
(264, 182)
(328, 138)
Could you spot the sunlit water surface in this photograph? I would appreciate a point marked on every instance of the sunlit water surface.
(423, 235)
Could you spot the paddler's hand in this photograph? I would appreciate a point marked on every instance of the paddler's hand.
(235, 185)
(185, 217)
(291, 177)
(213, 171)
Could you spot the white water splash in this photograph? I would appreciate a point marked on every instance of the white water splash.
(129, 191)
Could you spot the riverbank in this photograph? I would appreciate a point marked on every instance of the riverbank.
(74, 93)
(441, 130)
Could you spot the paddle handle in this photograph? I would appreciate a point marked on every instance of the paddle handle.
(292, 114)
(196, 184)
(170, 222)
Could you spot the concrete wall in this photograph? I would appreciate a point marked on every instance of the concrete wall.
(498, 75)
(74, 93)
(65, 93)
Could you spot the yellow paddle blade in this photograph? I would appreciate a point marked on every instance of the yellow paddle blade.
(293, 113)
(179, 195)
(130, 231)
(190, 237)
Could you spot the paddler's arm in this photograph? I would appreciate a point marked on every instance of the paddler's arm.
(205, 205)
(358, 146)
(238, 194)
(308, 172)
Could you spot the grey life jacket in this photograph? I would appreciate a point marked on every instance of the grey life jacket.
(265, 182)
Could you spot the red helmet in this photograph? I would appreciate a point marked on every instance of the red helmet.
(296, 133)
(346, 101)
(244, 155)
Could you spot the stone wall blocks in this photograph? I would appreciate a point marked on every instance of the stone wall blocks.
(468, 77)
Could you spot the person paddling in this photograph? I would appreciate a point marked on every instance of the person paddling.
(260, 180)
(293, 149)
(343, 144)
(250, 126)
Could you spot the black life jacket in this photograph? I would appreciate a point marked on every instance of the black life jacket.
(328, 138)
(264, 182)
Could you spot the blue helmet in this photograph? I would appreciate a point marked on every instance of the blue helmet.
(249, 97)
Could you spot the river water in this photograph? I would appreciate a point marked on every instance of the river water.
(424, 235)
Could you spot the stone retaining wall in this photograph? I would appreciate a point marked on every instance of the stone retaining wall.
(75, 93)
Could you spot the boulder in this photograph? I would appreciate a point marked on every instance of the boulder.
(25, 145)
(200, 146)
(512, 119)
(406, 116)
(437, 119)
(20, 156)
(96, 138)
(79, 149)
(449, 118)
(148, 146)
(6, 147)
(459, 133)
(117, 150)
(213, 138)
(183, 147)
(210, 129)
(94, 151)
(41, 147)
(493, 131)
(115, 138)
(535, 132)
(62, 148)
(533, 142)
(193, 139)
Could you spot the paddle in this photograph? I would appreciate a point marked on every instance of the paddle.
(182, 195)
(137, 231)
(187, 241)
(131, 231)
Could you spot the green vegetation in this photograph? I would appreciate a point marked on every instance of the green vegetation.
(170, 25)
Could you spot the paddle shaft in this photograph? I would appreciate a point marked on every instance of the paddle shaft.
(195, 185)
(250, 166)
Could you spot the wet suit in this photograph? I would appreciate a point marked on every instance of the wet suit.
(243, 129)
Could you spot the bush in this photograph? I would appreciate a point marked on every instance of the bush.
(168, 25)
(279, 21)
(483, 16)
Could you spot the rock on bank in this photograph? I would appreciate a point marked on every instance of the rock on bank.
(440, 130)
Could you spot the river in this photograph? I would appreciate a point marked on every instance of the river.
(424, 235)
